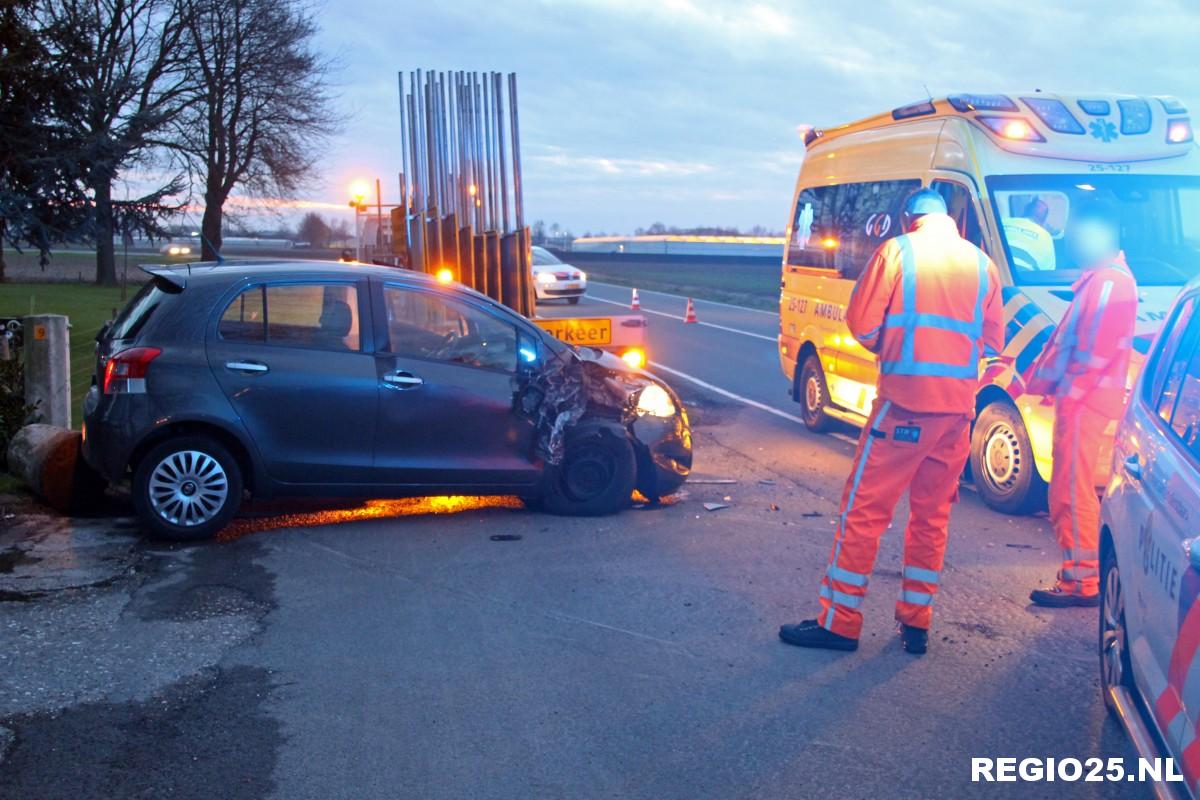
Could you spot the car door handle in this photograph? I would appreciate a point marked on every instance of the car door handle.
(402, 380)
(246, 366)
(1133, 467)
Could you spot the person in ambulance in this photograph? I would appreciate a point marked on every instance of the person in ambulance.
(929, 306)
(1083, 371)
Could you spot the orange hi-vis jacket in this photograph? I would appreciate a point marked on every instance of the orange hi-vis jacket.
(928, 304)
(1087, 358)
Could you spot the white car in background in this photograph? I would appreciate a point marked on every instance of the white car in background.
(176, 247)
(552, 279)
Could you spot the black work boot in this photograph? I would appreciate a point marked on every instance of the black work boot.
(915, 640)
(1057, 598)
(809, 634)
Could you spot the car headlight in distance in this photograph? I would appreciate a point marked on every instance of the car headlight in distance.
(545, 277)
(655, 401)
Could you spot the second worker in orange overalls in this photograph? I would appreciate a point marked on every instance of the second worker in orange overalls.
(1085, 368)
(928, 304)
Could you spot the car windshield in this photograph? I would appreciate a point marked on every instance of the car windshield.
(1160, 224)
(543, 258)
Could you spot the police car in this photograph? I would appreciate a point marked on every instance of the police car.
(1011, 168)
(553, 279)
(1150, 552)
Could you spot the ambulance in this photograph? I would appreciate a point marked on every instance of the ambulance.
(1011, 168)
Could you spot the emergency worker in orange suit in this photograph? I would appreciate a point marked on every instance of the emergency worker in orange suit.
(1084, 369)
(928, 305)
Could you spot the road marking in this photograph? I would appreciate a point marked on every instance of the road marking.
(727, 393)
(680, 319)
(681, 297)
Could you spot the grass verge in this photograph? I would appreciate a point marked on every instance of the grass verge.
(87, 306)
(755, 285)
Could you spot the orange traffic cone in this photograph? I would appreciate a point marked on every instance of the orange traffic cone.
(635, 304)
(690, 314)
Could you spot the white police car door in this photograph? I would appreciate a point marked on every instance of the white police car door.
(1159, 454)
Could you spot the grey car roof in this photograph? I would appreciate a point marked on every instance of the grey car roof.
(232, 269)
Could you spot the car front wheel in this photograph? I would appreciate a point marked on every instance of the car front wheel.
(1002, 464)
(596, 475)
(1115, 668)
(187, 488)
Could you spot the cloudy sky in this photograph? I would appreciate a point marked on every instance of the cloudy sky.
(685, 111)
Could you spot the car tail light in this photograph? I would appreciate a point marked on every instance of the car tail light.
(125, 372)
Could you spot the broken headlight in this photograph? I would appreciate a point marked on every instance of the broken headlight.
(655, 401)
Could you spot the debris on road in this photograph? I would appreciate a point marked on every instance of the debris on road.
(715, 506)
(766, 482)
(505, 537)
(721, 481)
(1019, 546)
(812, 514)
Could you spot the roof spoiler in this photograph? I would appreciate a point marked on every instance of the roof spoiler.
(171, 276)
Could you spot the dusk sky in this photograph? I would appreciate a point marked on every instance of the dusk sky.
(685, 111)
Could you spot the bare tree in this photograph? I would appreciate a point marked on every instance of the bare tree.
(314, 230)
(123, 63)
(262, 110)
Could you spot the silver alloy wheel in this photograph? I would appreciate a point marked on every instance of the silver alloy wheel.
(188, 488)
(1112, 631)
(1001, 456)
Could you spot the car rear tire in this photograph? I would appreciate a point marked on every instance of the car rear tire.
(1116, 670)
(187, 488)
(813, 395)
(596, 475)
(1002, 464)
(573, 301)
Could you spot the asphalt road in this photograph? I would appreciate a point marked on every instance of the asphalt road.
(407, 653)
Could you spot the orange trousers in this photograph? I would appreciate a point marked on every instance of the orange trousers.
(1074, 506)
(898, 450)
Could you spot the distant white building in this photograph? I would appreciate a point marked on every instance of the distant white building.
(683, 245)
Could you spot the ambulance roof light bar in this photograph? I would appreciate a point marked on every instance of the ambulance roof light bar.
(963, 103)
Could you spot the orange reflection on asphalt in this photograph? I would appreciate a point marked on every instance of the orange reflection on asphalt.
(370, 509)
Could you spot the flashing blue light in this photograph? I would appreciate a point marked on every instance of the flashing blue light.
(1135, 116)
(981, 102)
(528, 355)
(1096, 108)
(1172, 105)
(1056, 115)
(920, 109)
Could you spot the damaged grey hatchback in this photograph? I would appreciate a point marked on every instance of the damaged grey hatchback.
(321, 380)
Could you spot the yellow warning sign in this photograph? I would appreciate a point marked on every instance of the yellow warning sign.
(595, 332)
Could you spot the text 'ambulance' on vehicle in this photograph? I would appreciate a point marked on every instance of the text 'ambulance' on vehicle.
(1011, 168)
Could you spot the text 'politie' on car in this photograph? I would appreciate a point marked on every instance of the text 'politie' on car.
(323, 380)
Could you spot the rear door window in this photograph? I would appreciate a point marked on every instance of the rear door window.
(319, 316)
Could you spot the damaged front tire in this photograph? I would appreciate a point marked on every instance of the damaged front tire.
(596, 475)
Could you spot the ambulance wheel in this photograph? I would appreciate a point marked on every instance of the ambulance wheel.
(1002, 464)
(1116, 670)
(812, 393)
